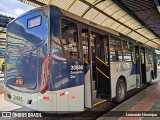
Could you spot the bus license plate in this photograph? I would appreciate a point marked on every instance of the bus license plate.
(19, 81)
(17, 98)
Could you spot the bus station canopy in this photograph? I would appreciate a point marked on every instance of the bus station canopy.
(129, 17)
(5, 18)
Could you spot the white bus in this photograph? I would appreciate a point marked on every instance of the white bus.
(57, 61)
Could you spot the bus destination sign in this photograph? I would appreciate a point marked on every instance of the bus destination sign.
(34, 22)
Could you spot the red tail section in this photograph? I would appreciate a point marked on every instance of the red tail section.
(45, 75)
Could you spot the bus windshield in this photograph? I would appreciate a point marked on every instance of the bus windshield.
(26, 37)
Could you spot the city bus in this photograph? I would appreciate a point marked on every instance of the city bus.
(57, 61)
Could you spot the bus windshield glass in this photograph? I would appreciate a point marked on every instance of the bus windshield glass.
(28, 36)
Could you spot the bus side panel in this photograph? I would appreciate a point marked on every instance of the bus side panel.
(114, 78)
(67, 75)
(49, 103)
(65, 100)
(124, 69)
(133, 76)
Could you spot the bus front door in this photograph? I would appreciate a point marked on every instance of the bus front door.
(140, 66)
(86, 49)
(143, 66)
(102, 67)
(137, 54)
(97, 71)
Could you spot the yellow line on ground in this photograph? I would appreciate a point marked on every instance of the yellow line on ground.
(99, 102)
(101, 61)
(102, 73)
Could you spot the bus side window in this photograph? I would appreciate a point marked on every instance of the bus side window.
(126, 51)
(112, 50)
(115, 49)
(147, 57)
(150, 57)
(132, 52)
(85, 46)
(69, 38)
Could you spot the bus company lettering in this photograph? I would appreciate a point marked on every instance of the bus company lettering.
(76, 69)
(19, 114)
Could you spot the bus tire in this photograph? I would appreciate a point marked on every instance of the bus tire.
(120, 90)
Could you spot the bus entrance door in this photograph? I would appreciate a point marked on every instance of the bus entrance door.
(102, 67)
(85, 36)
(140, 66)
(137, 54)
(97, 71)
(143, 66)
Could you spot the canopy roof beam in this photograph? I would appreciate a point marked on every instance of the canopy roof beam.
(132, 14)
(89, 4)
(36, 2)
(111, 14)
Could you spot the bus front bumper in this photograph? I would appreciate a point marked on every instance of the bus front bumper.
(20, 98)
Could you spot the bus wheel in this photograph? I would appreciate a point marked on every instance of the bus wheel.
(120, 91)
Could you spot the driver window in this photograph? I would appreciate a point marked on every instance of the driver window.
(69, 32)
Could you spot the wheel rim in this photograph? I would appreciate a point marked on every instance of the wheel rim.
(121, 91)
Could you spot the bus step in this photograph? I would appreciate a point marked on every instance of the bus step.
(103, 96)
(100, 101)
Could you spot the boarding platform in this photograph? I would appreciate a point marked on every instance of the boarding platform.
(144, 105)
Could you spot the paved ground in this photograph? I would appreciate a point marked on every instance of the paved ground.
(146, 100)
(6, 106)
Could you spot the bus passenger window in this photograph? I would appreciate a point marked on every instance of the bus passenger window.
(115, 49)
(126, 51)
(69, 38)
(85, 46)
(150, 57)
